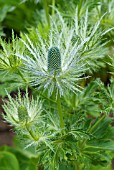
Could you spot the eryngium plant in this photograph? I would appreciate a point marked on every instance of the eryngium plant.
(81, 143)
(63, 137)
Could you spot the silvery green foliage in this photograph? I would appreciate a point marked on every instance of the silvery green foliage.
(106, 6)
(95, 48)
(9, 63)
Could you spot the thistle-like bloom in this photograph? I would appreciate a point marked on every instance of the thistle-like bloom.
(56, 63)
(22, 110)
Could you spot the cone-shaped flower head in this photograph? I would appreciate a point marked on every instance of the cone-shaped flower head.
(54, 60)
(22, 113)
(22, 110)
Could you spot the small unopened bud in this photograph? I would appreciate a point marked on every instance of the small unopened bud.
(22, 113)
(54, 60)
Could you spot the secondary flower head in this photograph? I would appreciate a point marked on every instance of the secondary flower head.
(22, 110)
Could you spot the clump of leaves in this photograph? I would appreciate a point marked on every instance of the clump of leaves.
(28, 13)
(81, 142)
(9, 65)
(16, 159)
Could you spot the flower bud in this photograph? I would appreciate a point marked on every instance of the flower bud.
(22, 113)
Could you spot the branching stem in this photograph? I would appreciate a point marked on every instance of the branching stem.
(31, 133)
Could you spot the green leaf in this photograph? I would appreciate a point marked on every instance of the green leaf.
(26, 160)
(64, 166)
(8, 161)
(101, 127)
(31, 166)
(101, 168)
(100, 145)
(3, 12)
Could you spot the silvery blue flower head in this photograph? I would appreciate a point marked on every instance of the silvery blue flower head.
(55, 64)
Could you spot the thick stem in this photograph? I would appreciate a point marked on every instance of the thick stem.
(77, 166)
(60, 111)
(47, 12)
(53, 5)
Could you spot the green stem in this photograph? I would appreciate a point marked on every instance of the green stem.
(47, 12)
(31, 133)
(77, 166)
(53, 5)
(60, 111)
